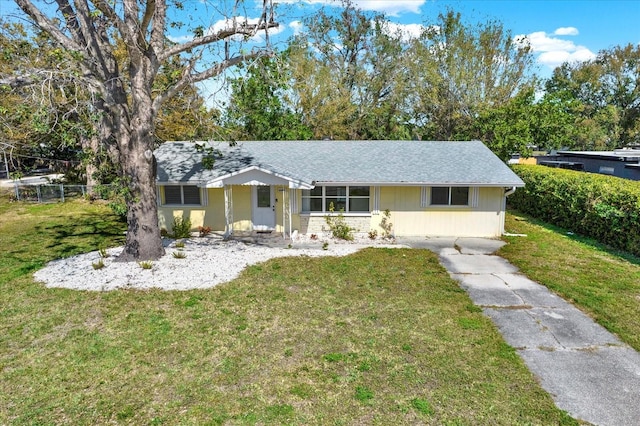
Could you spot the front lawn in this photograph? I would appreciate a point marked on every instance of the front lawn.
(383, 336)
(603, 283)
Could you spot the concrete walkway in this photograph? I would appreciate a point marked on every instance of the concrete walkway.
(588, 371)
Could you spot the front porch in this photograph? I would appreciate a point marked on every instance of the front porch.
(270, 205)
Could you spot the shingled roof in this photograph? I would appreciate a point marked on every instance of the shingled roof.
(342, 162)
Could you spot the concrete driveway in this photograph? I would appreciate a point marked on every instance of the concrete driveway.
(588, 371)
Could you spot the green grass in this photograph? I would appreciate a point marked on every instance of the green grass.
(383, 336)
(602, 282)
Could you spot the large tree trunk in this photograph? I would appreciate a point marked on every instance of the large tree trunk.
(143, 240)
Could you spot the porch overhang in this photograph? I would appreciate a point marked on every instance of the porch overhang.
(254, 176)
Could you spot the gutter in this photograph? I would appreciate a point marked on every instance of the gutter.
(509, 191)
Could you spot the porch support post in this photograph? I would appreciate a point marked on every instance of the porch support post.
(289, 204)
(228, 211)
(285, 209)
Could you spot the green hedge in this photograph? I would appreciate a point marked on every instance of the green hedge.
(602, 207)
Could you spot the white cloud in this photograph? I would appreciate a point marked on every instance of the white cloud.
(296, 26)
(406, 32)
(566, 31)
(389, 7)
(541, 42)
(554, 51)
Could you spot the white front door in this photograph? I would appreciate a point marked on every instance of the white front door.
(264, 208)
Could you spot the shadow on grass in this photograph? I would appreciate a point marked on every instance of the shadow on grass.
(85, 233)
(588, 241)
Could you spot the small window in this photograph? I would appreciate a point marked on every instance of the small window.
(182, 195)
(439, 196)
(336, 196)
(312, 199)
(460, 196)
(450, 196)
(264, 196)
(173, 195)
(191, 195)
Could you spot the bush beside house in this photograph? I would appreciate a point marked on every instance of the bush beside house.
(602, 207)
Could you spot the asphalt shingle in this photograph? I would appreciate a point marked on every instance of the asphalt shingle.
(372, 162)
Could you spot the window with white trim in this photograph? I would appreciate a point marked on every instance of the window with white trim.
(449, 195)
(188, 195)
(354, 199)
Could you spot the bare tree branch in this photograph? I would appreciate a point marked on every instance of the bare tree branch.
(48, 25)
(242, 28)
(214, 71)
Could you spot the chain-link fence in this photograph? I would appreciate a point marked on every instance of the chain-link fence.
(47, 193)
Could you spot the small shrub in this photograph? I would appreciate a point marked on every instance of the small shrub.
(17, 175)
(314, 236)
(103, 253)
(179, 254)
(373, 234)
(146, 264)
(181, 227)
(338, 225)
(203, 231)
(98, 265)
(386, 225)
(179, 244)
(325, 245)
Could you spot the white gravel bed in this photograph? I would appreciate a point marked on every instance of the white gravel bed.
(208, 262)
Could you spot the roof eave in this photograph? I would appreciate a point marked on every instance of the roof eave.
(219, 182)
(471, 184)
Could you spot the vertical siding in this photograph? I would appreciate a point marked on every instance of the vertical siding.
(408, 218)
(242, 208)
(210, 215)
(215, 210)
(280, 193)
(407, 215)
(295, 214)
(195, 214)
(213, 213)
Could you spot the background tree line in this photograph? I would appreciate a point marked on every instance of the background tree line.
(352, 76)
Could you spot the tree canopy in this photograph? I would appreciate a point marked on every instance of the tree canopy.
(606, 97)
(117, 51)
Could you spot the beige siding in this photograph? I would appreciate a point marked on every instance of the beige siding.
(409, 218)
(210, 215)
(241, 208)
(407, 215)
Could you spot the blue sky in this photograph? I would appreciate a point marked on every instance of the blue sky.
(559, 31)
